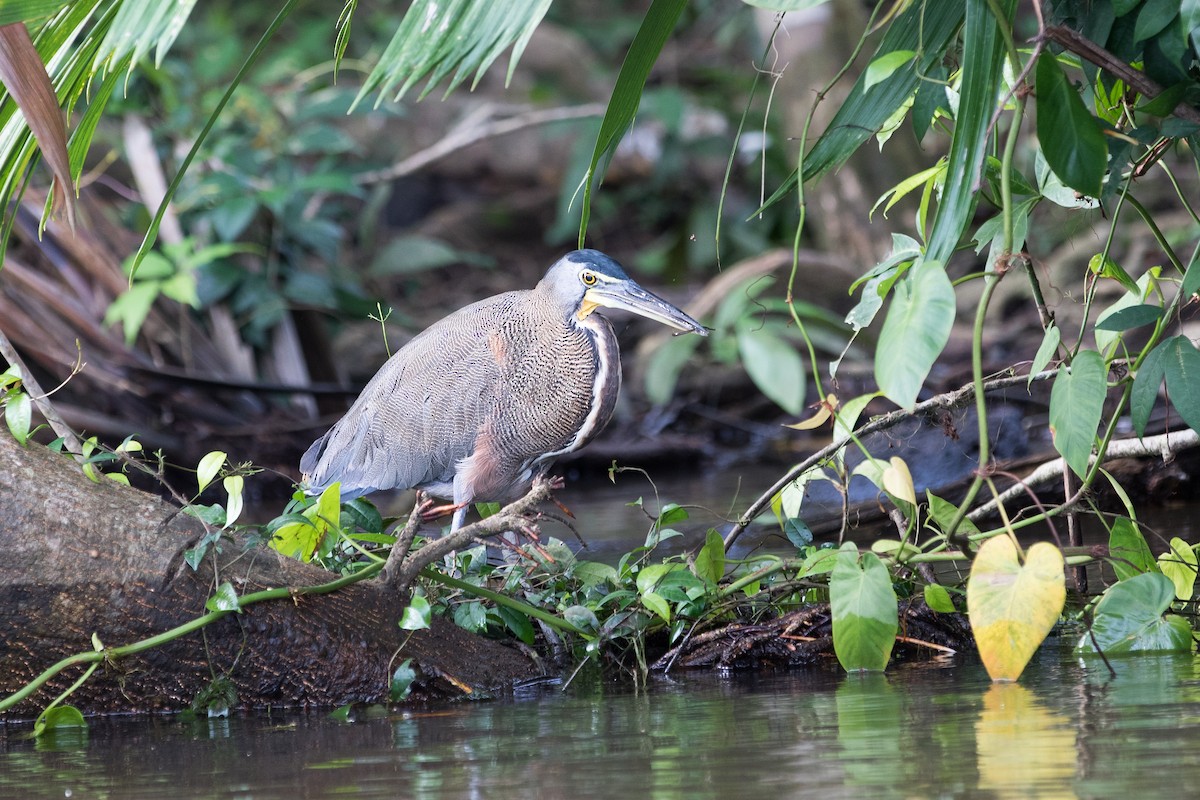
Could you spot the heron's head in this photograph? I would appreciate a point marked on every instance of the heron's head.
(584, 280)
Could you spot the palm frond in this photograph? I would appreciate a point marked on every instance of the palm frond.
(439, 39)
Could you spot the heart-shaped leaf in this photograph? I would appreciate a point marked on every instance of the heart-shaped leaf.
(1129, 618)
(863, 604)
(1127, 550)
(1179, 564)
(1013, 606)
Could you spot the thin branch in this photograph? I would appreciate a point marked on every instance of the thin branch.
(476, 127)
(514, 516)
(1145, 85)
(942, 402)
(1164, 445)
(40, 398)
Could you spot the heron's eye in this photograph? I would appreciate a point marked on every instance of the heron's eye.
(588, 278)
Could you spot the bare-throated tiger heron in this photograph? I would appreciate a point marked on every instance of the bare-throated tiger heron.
(479, 403)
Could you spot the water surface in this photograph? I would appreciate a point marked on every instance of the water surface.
(935, 729)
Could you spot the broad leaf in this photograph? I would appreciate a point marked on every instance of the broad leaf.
(938, 598)
(58, 718)
(224, 599)
(1127, 550)
(1013, 606)
(1045, 352)
(914, 333)
(1146, 383)
(1181, 367)
(775, 367)
(710, 561)
(1129, 618)
(18, 415)
(1179, 564)
(208, 468)
(416, 614)
(1076, 404)
(1071, 138)
(863, 605)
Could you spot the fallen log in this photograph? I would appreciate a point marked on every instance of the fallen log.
(86, 559)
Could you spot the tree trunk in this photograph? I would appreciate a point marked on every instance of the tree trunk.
(84, 558)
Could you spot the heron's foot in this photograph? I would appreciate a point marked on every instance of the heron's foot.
(431, 511)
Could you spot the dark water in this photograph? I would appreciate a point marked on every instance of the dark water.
(938, 729)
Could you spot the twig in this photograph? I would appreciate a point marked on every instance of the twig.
(1162, 445)
(512, 517)
(473, 128)
(944, 401)
(1087, 49)
(40, 398)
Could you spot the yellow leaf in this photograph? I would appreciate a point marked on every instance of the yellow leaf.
(1024, 749)
(824, 412)
(898, 482)
(1178, 564)
(1013, 606)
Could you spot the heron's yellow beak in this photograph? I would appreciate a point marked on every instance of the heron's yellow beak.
(628, 296)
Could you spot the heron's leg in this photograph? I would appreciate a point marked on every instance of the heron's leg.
(460, 514)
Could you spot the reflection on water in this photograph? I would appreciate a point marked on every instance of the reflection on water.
(938, 729)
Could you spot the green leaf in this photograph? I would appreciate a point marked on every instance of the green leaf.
(982, 59)
(1076, 405)
(1153, 17)
(208, 468)
(943, 513)
(914, 333)
(710, 561)
(775, 367)
(28, 10)
(1179, 564)
(882, 67)
(1127, 550)
(517, 623)
(1070, 137)
(1181, 367)
(1146, 382)
(401, 682)
(437, 38)
(1129, 618)
(938, 599)
(626, 95)
(58, 718)
(18, 414)
(665, 365)
(863, 605)
(416, 614)
(926, 28)
(132, 307)
(649, 576)
(670, 514)
(224, 599)
(582, 617)
(233, 488)
(797, 532)
(1046, 350)
(1124, 319)
(592, 573)
(658, 605)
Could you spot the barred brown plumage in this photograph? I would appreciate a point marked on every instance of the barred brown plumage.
(481, 401)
